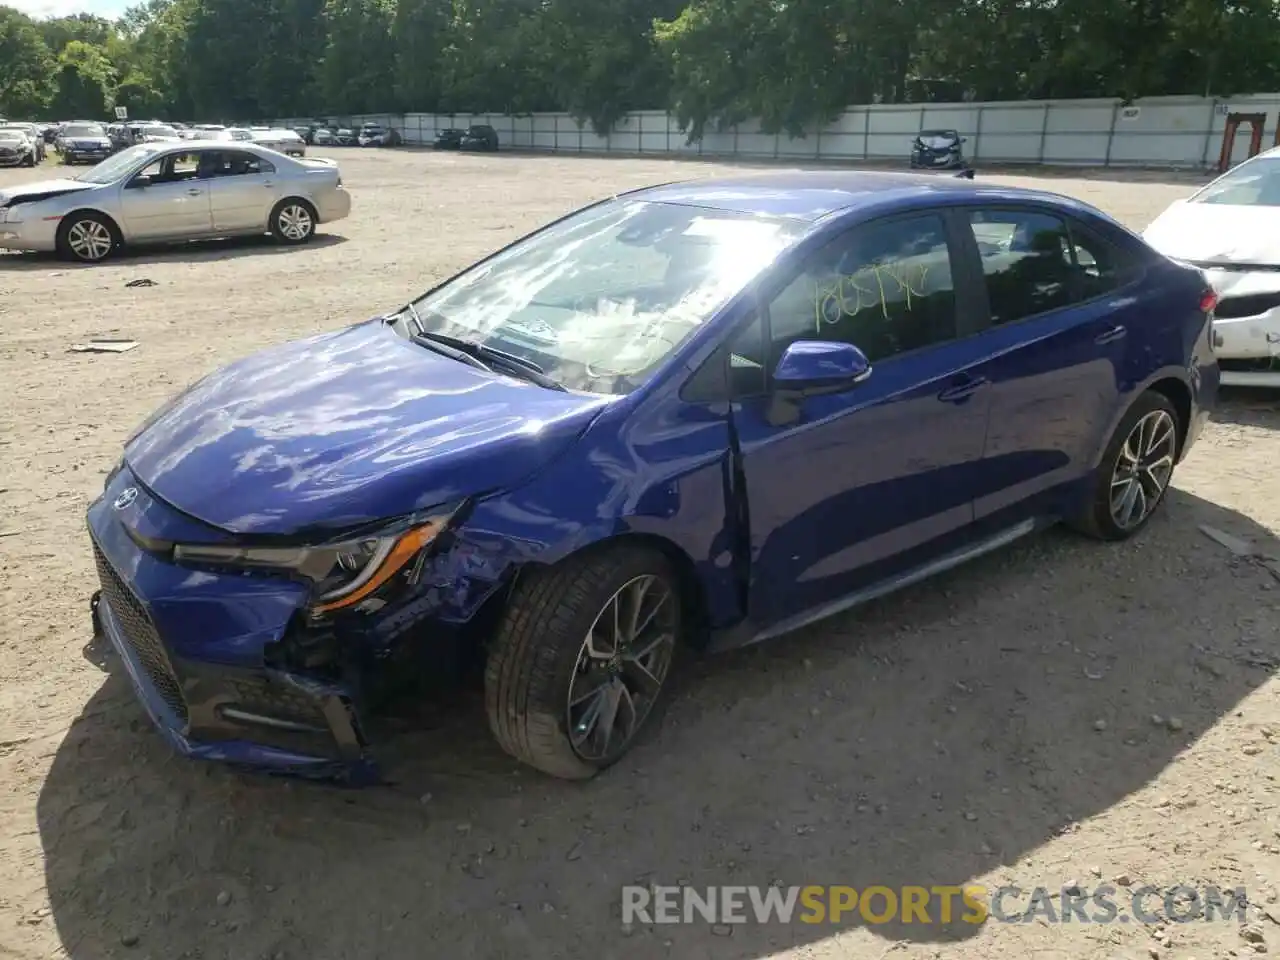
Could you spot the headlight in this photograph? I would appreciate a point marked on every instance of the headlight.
(344, 573)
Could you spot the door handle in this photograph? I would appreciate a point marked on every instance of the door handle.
(193, 192)
(267, 183)
(964, 388)
(1117, 332)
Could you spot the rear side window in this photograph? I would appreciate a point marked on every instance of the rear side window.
(1100, 266)
(1026, 262)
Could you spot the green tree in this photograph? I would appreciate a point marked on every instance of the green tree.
(26, 66)
(84, 81)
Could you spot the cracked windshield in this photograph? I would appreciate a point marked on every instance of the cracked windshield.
(599, 300)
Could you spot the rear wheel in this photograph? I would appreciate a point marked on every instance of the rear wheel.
(293, 221)
(1133, 477)
(582, 658)
(87, 237)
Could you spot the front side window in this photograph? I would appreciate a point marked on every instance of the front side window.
(884, 287)
(1255, 183)
(1026, 262)
(172, 168)
(600, 299)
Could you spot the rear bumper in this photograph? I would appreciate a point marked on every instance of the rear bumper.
(334, 205)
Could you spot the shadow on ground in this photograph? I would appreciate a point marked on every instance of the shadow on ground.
(196, 251)
(1248, 408)
(926, 739)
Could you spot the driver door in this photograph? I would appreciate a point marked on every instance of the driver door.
(859, 486)
(166, 200)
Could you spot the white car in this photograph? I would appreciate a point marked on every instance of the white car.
(285, 141)
(1230, 229)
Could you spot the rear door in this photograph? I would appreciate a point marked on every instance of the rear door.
(1059, 302)
(241, 189)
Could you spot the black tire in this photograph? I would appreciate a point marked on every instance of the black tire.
(290, 215)
(1099, 519)
(74, 235)
(540, 647)
(30, 161)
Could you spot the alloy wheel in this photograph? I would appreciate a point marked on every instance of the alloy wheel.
(295, 222)
(1143, 469)
(621, 667)
(90, 239)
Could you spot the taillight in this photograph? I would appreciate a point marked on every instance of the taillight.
(1209, 302)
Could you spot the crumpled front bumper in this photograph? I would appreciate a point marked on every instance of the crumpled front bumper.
(1246, 329)
(194, 647)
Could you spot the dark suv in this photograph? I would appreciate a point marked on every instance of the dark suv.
(479, 136)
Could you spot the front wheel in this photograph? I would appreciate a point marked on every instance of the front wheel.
(582, 658)
(1133, 477)
(293, 221)
(87, 237)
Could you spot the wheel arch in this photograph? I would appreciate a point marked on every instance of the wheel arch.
(693, 594)
(1179, 394)
(1172, 383)
(112, 223)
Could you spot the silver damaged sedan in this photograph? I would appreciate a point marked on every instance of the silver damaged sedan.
(165, 192)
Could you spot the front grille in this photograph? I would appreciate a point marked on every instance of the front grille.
(140, 633)
(1232, 308)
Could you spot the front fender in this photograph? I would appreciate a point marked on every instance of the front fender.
(662, 472)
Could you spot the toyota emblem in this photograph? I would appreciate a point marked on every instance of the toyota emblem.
(127, 496)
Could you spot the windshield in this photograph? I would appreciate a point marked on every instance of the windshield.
(599, 300)
(12, 136)
(114, 167)
(1252, 184)
(159, 131)
(84, 130)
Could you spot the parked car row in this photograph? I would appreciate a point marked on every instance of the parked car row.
(21, 144)
(479, 137)
(336, 135)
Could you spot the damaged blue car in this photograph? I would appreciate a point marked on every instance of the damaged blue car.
(693, 416)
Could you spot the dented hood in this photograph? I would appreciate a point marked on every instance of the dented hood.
(1217, 233)
(41, 190)
(346, 428)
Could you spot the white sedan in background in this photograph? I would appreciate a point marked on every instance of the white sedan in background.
(1231, 230)
(161, 192)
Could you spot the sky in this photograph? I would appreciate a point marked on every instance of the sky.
(61, 8)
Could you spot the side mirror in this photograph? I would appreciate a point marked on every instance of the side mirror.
(810, 367)
(141, 180)
(964, 139)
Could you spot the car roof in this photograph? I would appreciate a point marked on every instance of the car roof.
(815, 194)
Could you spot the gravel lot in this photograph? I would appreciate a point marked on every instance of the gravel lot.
(997, 725)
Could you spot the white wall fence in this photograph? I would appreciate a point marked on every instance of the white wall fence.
(1156, 131)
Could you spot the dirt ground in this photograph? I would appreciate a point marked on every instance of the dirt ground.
(996, 725)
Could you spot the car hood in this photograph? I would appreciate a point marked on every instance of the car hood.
(1217, 233)
(345, 428)
(41, 190)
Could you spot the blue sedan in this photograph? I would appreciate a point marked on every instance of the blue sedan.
(697, 415)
